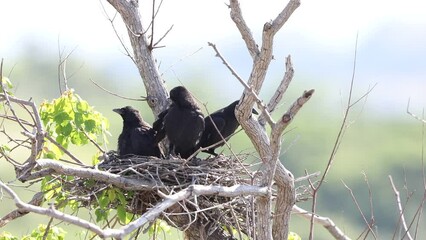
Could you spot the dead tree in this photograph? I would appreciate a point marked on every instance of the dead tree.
(267, 145)
(198, 197)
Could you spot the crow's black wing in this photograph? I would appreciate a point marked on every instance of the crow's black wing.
(211, 134)
(158, 127)
(142, 142)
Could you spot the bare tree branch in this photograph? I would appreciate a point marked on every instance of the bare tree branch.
(327, 223)
(290, 114)
(237, 17)
(65, 150)
(413, 115)
(37, 200)
(149, 216)
(282, 88)
(114, 179)
(268, 151)
(343, 127)
(51, 212)
(36, 136)
(401, 211)
(368, 225)
(117, 95)
(155, 90)
(260, 104)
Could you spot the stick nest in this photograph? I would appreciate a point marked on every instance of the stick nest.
(171, 176)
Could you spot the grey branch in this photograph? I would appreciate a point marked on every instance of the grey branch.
(265, 112)
(65, 150)
(36, 136)
(239, 21)
(400, 209)
(291, 112)
(114, 179)
(155, 90)
(327, 223)
(51, 212)
(282, 88)
(36, 201)
(267, 149)
(147, 217)
(413, 115)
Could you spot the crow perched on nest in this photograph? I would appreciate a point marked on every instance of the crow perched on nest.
(182, 123)
(137, 137)
(226, 123)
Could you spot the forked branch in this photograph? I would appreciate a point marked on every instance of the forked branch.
(327, 223)
(151, 215)
(142, 53)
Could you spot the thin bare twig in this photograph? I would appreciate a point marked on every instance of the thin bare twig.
(360, 210)
(162, 37)
(37, 200)
(327, 223)
(339, 136)
(65, 150)
(307, 176)
(413, 115)
(7, 97)
(370, 197)
(117, 95)
(180, 60)
(150, 46)
(62, 66)
(111, 20)
(260, 104)
(223, 140)
(282, 88)
(401, 211)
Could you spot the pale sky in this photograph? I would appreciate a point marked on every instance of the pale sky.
(82, 22)
(320, 36)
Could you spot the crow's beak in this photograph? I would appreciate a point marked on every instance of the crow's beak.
(118, 110)
(254, 111)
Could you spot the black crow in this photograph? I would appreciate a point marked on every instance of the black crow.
(182, 123)
(226, 123)
(137, 137)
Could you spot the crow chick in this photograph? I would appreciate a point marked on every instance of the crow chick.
(137, 136)
(226, 123)
(182, 123)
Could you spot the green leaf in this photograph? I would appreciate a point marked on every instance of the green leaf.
(101, 215)
(51, 151)
(84, 139)
(75, 138)
(64, 141)
(61, 117)
(7, 236)
(79, 119)
(104, 201)
(159, 226)
(111, 195)
(121, 213)
(69, 119)
(4, 149)
(121, 197)
(95, 158)
(89, 125)
(7, 84)
(293, 236)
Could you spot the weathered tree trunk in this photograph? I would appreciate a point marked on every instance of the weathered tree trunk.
(155, 90)
(267, 226)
